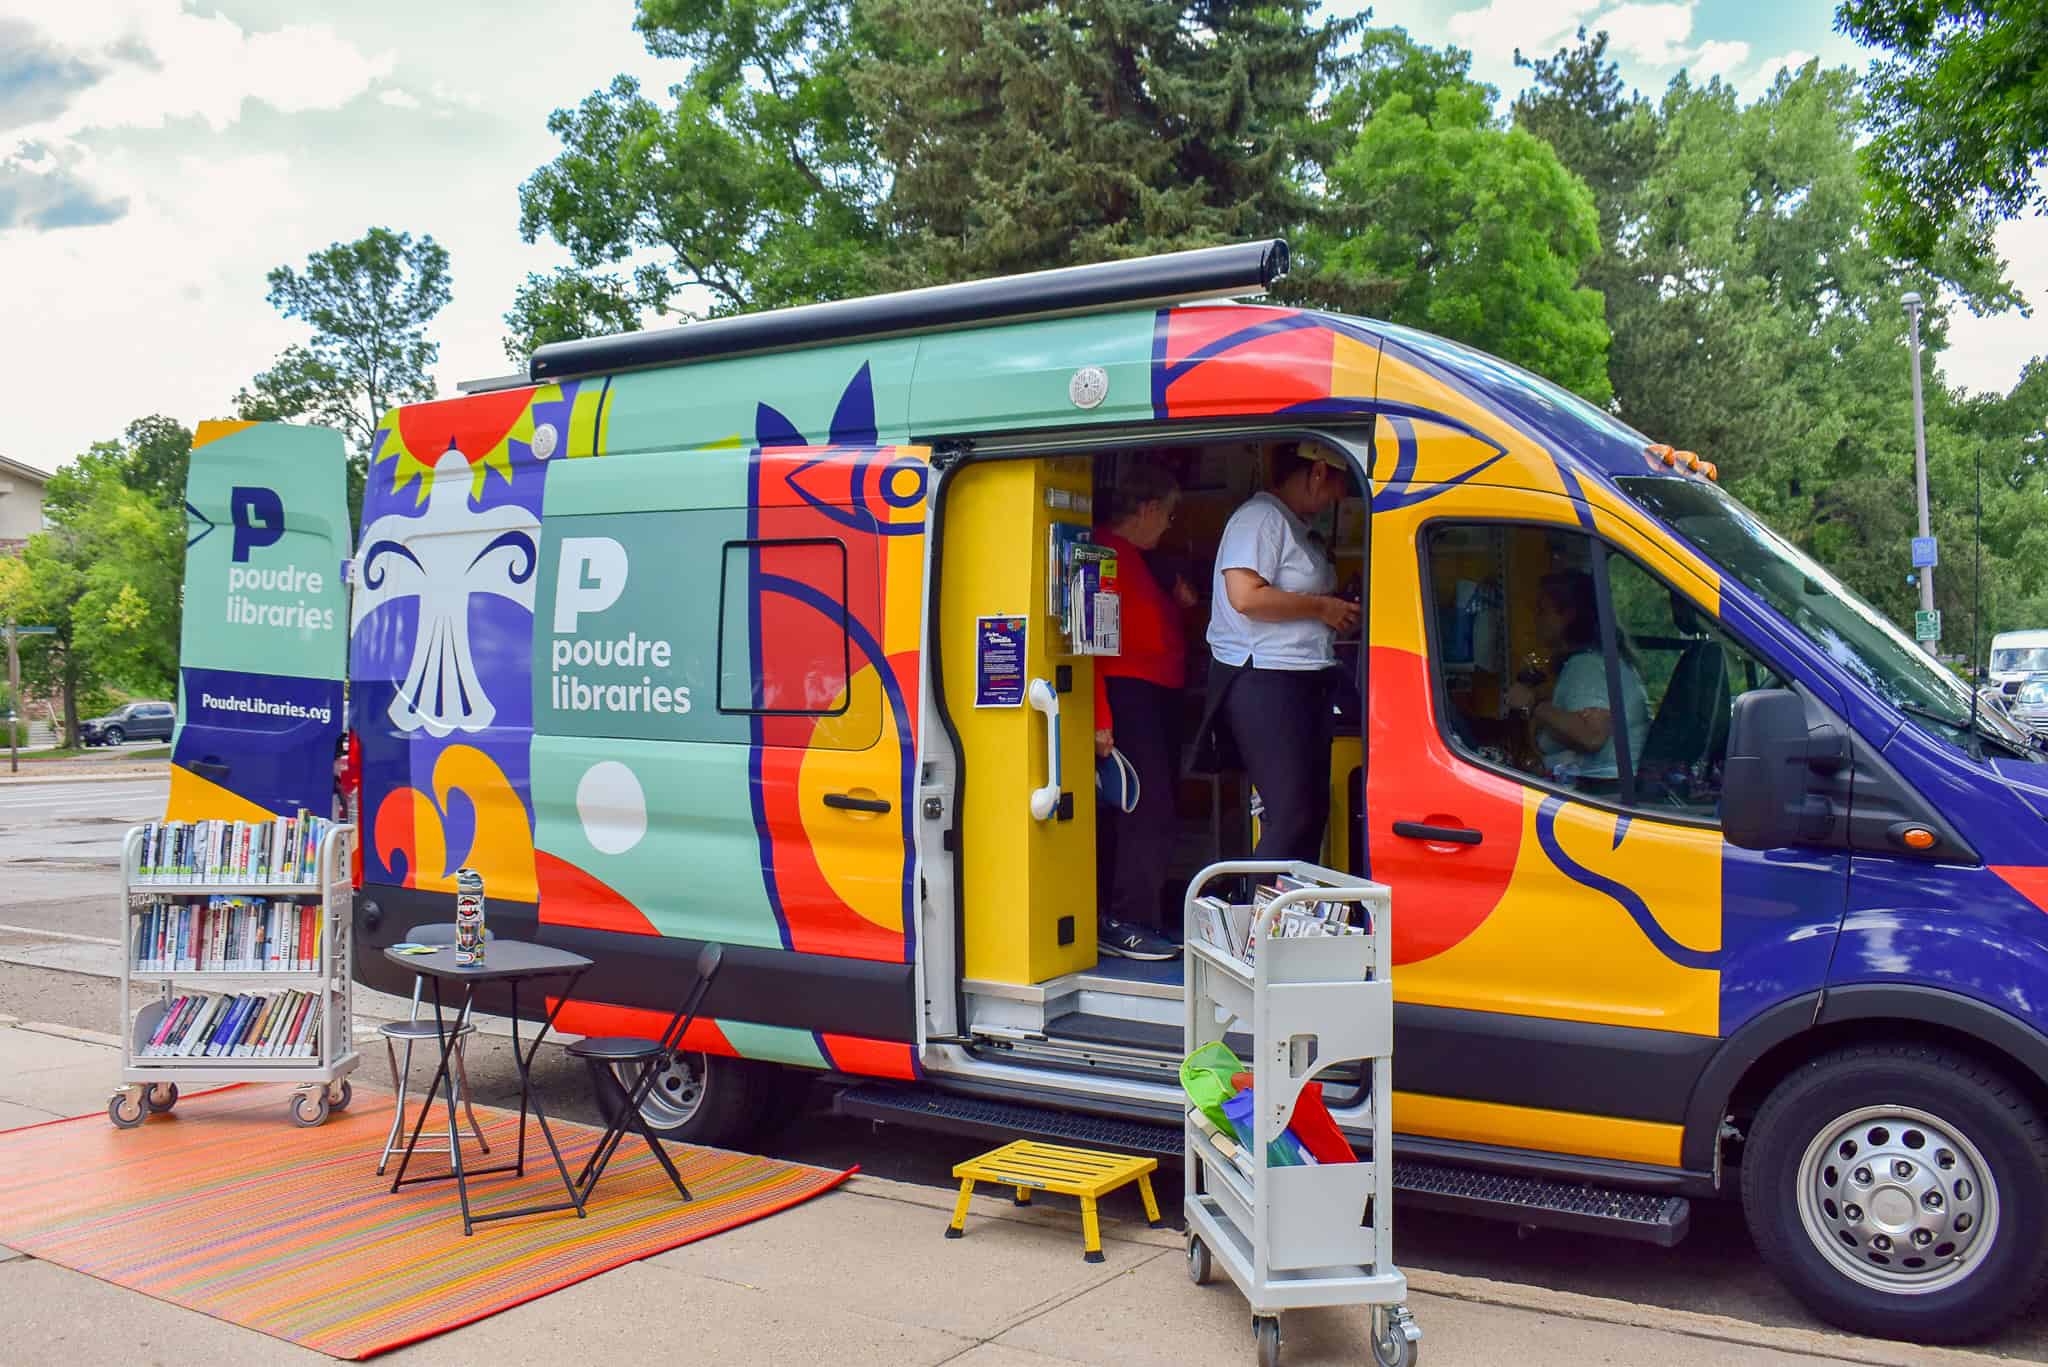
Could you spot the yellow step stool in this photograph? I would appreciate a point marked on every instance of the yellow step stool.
(1028, 1166)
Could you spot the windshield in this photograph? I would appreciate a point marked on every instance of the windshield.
(1852, 633)
(2020, 660)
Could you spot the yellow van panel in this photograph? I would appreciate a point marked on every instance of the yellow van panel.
(1530, 1127)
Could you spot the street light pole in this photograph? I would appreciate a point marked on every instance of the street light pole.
(1912, 303)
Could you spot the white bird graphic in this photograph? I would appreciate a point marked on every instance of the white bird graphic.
(442, 557)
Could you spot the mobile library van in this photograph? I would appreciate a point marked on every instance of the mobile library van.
(754, 631)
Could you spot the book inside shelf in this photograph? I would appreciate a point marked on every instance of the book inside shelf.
(283, 850)
(200, 1025)
(229, 934)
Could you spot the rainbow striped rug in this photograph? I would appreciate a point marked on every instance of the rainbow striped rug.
(226, 1208)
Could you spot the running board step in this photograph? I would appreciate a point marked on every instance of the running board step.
(973, 1115)
(1647, 1217)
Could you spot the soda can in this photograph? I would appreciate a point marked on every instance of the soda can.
(469, 917)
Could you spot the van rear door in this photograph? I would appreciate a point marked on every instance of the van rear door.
(265, 636)
(725, 701)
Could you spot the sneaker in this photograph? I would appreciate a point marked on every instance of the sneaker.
(1122, 940)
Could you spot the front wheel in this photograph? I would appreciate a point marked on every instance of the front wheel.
(115, 735)
(1899, 1189)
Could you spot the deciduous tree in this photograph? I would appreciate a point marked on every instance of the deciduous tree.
(368, 303)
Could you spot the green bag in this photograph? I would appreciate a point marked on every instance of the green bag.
(1205, 1076)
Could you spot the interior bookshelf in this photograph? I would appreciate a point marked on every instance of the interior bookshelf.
(245, 928)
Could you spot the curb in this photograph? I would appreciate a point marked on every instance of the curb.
(132, 776)
(1693, 1323)
(70, 1032)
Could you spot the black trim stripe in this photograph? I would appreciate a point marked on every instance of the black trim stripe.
(1554, 1065)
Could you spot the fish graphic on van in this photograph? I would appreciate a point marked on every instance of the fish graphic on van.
(442, 557)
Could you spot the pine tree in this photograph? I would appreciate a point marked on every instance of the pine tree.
(1027, 135)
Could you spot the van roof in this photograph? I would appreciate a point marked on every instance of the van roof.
(2019, 639)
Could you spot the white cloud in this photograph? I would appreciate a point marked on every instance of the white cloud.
(1652, 34)
(1717, 57)
(160, 63)
(1989, 353)
(397, 99)
(1767, 70)
(1538, 27)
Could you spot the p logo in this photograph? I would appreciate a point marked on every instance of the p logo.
(591, 578)
(258, 516)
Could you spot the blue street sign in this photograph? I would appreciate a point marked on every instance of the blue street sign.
(1923, 553)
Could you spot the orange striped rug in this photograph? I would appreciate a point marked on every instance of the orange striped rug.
(226, 1208)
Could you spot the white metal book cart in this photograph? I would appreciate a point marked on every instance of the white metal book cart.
(321, 993)
(1317, 1234)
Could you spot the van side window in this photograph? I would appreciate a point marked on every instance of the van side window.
(1562, 659)
(1692, 674)
(800, 668)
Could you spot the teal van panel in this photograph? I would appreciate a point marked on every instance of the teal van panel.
(627, 631)
(857, 394)
(647, 481)
(651, 837)
(1017, 377)
(774, 1043)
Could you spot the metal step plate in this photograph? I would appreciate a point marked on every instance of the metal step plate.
(1547, 1202)
(1647, 1216)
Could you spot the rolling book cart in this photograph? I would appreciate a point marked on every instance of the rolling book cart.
(1318, 1234)
(255, 969)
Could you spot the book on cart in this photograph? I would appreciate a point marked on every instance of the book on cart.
(214, 906)
(283, 850)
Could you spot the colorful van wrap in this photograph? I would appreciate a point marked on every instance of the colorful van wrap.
(264, 637)
(726, 560)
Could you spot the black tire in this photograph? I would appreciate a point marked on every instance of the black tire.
(724, 1107)
(115, 735)
(1886, 1106)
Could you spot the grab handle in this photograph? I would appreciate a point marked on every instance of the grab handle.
(1045, 801)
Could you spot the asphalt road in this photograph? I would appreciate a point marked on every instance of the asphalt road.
(59, 848)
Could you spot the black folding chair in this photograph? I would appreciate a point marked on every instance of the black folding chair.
(606, 1055)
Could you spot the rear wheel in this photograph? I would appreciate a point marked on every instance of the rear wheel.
(1900, 1190)
(702, 1098)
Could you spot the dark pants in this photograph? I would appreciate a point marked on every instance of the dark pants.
(1134, 848)
(1280, 719)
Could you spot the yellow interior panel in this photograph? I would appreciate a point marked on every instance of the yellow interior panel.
(1020, 877)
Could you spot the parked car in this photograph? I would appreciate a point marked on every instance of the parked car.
(2029, 706)
(134, 721)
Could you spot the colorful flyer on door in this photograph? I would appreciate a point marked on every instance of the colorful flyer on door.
(999, 661)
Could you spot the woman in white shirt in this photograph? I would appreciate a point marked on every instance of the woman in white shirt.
(1574, 726)
(1272, 621)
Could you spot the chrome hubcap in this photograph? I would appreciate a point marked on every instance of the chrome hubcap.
(677, 1092)
(1898, 1199)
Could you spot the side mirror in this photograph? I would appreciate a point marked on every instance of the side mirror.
(1766, 796)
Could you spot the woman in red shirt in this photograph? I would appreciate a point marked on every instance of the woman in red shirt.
(1137, 711)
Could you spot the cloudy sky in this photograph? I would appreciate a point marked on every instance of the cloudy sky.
(157, 157)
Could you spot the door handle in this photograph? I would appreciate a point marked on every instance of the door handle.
(1046, 801)
(1443, 835)
(847, 802)
(211, 772)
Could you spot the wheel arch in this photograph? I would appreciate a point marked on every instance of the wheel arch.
(1756, 1058)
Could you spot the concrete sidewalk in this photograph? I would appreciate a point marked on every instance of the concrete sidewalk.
(862, 1275)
